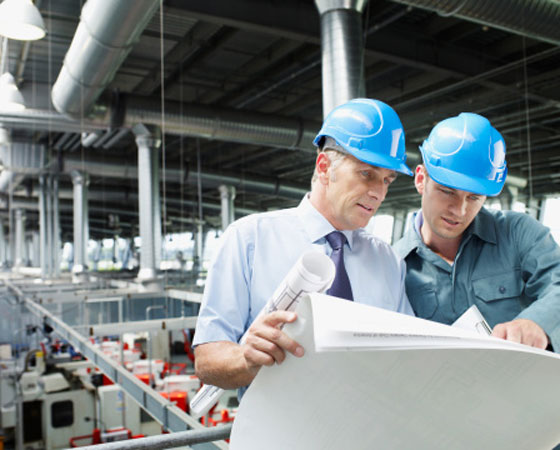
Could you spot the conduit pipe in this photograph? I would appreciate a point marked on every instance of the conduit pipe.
(107, 31)
(342, 51)
(537, 19)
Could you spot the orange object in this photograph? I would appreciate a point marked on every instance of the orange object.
(178, 398)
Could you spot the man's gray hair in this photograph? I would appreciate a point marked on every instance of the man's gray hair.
(335, 153)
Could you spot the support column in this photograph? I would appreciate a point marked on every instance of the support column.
(508, 197)
(81, 226)
(34, 254)
(148, 140)
(19, 248)
(198, 249)
(54, 240)
(227, 195)
(44, 195)
(3, 248)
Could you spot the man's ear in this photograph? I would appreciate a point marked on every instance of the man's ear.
(322, 165)
(420, 178)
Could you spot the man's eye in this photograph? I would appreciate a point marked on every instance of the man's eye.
(366, 174)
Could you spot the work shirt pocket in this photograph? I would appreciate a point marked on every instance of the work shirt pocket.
(425, 302)
(498, 287)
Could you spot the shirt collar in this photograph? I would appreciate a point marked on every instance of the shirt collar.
(483, 226)
(316, 225)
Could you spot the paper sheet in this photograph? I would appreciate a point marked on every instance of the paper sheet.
(312, 272)
(432, 387)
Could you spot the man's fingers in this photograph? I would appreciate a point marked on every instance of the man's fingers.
(279, 318)
(261, 352)
(523, 331)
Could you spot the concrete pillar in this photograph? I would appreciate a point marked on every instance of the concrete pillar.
(19, 246)
(148, 140)
(81, 226)
(227, 195)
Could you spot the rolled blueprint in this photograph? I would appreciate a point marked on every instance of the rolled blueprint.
(313, 272)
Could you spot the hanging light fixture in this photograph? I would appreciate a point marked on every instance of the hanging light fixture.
(10, 96)
(21, 20)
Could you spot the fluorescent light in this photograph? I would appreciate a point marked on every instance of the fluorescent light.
(21, 20)
(10, 96)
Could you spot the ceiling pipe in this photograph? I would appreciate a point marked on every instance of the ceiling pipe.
(537, 19)
(192, 120)
(122, 169)
(106, 34)
(342, 50)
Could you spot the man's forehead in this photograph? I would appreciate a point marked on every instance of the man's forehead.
(391, 172)
(453, 189)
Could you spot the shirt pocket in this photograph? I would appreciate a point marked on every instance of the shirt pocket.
(424, 301)
(498, 287)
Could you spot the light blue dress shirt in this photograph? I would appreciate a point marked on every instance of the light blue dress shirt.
(508, 265)
(257, 251)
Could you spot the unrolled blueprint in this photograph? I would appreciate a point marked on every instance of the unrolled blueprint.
(375, 379)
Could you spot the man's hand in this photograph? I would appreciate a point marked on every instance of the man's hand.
(523, 331)
(229, 365)
(266, 344)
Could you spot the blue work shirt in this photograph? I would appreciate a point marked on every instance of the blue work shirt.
(257, 251)
(508, 265)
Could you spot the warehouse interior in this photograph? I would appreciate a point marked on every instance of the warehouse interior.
(150, 125)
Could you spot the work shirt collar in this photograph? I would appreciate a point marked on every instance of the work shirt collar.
(482, 226)
(316, 225)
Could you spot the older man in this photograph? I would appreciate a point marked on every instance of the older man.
(361, 147)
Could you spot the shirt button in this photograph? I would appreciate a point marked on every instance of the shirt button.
(502, 289)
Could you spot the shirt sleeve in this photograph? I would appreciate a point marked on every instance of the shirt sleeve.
(225, 306)
(404, 305)
(540, 267)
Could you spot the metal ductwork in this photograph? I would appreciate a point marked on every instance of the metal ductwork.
(537, 19)
(19, 159)
(107, 31)
(123, 170)
(206, 122)
(342, 51)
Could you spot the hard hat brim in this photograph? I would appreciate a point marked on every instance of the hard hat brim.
(455, 180)
(387, 162)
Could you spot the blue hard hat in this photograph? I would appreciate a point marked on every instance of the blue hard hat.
(466, 152)
(369, 130)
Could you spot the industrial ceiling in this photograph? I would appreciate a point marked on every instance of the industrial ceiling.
(213, 70)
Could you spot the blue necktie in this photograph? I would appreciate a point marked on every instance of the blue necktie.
(341, 284)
